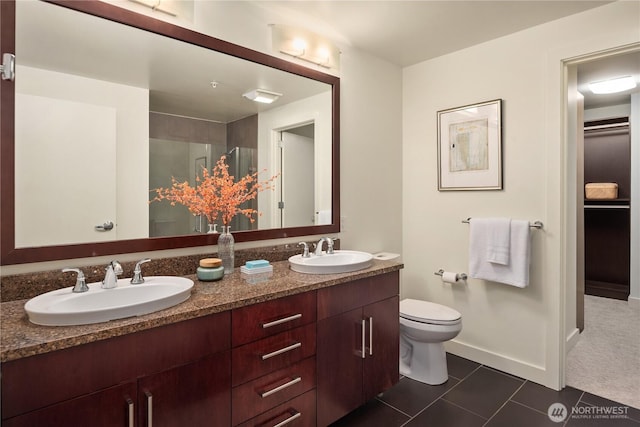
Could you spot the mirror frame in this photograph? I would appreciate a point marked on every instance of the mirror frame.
(9, 254)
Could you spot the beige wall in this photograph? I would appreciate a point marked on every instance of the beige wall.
(517, 330)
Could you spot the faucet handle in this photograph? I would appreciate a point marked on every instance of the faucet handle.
(81, 284)
(329, 245)
(305, 250)
(137, 272)
(117, 268)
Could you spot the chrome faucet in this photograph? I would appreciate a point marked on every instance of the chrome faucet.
(137, 272)
(81, 284)
(114, 269)
(305, 250)
(329, 241)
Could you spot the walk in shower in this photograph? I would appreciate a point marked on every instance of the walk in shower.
(180, 148)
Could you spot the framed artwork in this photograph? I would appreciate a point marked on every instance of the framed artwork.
(470, 147)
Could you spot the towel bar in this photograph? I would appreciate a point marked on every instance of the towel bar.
(536, 224)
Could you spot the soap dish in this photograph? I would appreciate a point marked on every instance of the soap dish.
(256, 270)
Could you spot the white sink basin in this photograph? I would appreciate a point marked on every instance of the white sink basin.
(338, 262)
(63, 307)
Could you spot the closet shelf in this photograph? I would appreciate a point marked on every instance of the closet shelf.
(609, 203)
(606, 206)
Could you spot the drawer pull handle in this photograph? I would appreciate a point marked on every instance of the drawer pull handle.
(364, 339)
(370, 336)
(131, 412)
(288, 420)
(280, 321)
(282, 350)
(149, 408)
(281, 387)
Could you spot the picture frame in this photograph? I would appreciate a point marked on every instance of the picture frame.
(470, 147)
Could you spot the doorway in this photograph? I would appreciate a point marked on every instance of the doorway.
(601, 358)
(296, 167)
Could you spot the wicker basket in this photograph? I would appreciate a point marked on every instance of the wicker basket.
(601, 190)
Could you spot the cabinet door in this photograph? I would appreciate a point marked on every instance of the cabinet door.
(339, 358)
(381, 366)
(113, 407)
(197, 394)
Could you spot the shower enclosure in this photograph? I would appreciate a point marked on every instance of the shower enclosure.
(243, 161)
(184, 162)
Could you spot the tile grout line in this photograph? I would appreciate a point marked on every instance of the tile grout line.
(464, 409)
(505, 402)
(441, 397)
(393, 407)
(568, 417)
(528, 407)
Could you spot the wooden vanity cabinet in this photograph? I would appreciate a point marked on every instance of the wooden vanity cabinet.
(106, 408)
(178, 374)
(300, 361)
(358, 344)
(273, 362)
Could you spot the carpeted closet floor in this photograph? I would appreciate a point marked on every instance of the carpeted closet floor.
(606, 359)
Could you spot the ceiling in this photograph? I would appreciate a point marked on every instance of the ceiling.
(409, 32)
(627, 64)
(401, 32)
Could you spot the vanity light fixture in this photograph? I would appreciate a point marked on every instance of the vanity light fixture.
(263, 96)
(618, 84)
(305, 45)
(156, 5)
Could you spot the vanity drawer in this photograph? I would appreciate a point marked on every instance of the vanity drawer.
(259, 395)
(261, 357)
(269, 318)
(301, 412)
(342, 298)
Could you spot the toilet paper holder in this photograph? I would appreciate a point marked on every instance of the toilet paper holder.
(459, 276)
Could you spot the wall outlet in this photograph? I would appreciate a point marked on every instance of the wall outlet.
(343, 224)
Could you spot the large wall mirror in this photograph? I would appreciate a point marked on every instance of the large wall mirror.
(108, 105)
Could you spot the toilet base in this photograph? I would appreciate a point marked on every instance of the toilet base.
(424, 362)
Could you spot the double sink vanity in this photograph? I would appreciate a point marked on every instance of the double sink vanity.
(295, 349)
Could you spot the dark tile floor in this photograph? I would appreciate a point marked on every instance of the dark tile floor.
(476, 395)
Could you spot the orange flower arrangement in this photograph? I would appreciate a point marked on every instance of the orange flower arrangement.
(216, 193)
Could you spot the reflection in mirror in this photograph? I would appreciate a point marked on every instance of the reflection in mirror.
(102, 119)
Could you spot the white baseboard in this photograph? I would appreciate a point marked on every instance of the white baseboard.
(521, 369)
(572, 339)
(634, 302)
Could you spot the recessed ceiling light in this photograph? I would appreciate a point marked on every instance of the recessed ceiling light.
(619, 84)
(263, 96)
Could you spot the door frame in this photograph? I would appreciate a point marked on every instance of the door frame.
(571, 191)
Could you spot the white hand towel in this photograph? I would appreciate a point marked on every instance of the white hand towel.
(498, 238)
(516, 273)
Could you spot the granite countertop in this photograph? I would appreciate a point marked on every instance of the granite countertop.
(20, 338)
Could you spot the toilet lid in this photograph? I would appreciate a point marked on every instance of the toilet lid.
(427, 312)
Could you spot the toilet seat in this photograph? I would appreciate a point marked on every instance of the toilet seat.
(428, 312)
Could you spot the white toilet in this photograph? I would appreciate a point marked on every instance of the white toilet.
(424, 327)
